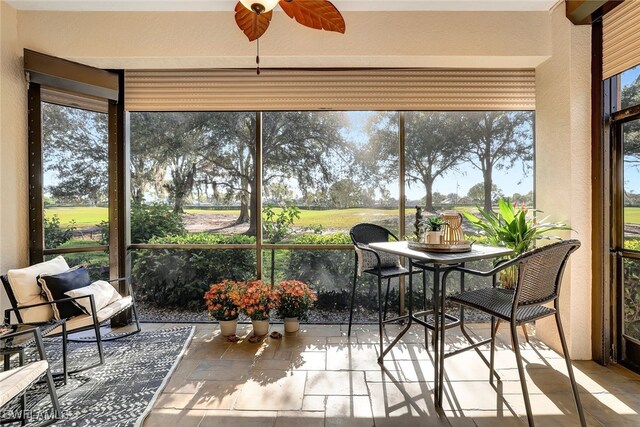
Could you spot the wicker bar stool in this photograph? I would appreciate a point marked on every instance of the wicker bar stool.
(539, 279)
(381, 265)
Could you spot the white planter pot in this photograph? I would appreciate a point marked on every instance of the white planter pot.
(260, 327)
(228, 327)
(291, 324)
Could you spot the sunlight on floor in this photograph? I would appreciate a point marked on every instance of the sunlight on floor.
(320, 377)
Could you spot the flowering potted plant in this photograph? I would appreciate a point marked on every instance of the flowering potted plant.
(223, 300)
(256, 302)
(296, 298)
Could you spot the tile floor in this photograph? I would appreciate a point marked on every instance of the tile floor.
(320, 377)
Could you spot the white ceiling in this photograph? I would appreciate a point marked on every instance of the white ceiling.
(228, 5)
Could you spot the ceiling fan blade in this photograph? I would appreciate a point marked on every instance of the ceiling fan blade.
(318, 14)
(252, 24)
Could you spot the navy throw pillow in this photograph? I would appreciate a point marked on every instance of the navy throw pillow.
(55, 285)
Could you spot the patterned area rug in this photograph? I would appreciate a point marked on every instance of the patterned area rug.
(118, 393)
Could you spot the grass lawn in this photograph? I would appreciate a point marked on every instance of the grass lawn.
(329, 218)
(83, 216)
(343, 218)
(632, 215)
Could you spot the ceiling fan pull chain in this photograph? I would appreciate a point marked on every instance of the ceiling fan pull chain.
(258, 56)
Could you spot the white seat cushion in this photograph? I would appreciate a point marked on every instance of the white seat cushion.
(85, 320)
(15, 381)
(24, 285)
(103, 294)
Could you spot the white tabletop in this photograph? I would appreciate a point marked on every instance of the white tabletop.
(477, 252)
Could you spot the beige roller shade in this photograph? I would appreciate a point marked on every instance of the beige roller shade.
(60, 97)
(621, 39)
(372, 89)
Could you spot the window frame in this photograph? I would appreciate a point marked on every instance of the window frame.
(261, 246)
(49, 72)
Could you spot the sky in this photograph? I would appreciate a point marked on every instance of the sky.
(508, 180)
(631, 173)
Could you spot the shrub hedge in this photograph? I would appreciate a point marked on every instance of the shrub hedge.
(178, 278)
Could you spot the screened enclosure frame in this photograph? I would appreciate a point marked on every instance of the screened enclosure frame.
(120, 247)
(62, 82)
(259, 246)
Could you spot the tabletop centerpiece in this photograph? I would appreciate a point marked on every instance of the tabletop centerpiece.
(440, 233)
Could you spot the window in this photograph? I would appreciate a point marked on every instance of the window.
(193, 173)
(631, 184)
(75, 186)
(195, 195)
(75, 176)
(325, 164)
(457, 160)
(217, 193)
(630, 87)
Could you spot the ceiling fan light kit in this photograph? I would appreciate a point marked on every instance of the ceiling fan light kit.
(259, 6)
(254, 16)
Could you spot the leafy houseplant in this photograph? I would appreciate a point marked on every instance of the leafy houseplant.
(433, 229)
(511, 227)
(434, 223)
(296, 298)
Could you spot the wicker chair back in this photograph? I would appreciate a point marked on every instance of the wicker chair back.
(540, 272)
(370, 233)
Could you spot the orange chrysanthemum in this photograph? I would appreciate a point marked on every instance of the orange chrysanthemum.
(296, 298)
(259, 299)
(223, 300)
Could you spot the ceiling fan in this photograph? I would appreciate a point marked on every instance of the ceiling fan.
(254, 16)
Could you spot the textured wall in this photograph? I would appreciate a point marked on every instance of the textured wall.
(563, 179)
(211, 39)
(13, 151)
(417, 39)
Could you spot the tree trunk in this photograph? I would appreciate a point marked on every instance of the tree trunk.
(488, 185)
(244, 211)
(182, 186)
(178, 204)
(244, 203)
(253, 209)
(428, 186)
(137, 195)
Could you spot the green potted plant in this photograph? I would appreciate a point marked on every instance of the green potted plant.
(433, 230)
(223, 304)
(512, 227)
(296, 298)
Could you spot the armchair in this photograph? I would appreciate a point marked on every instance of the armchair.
(15, 382)
(29, 306)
